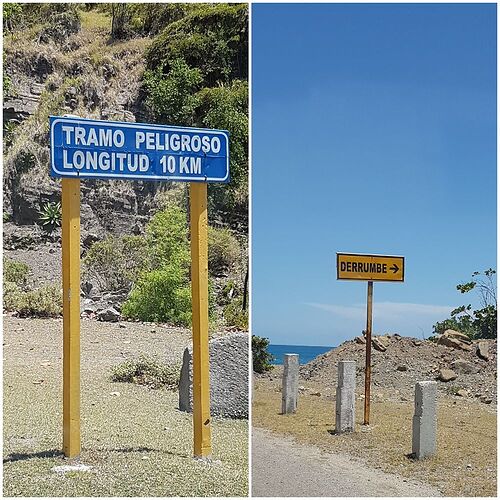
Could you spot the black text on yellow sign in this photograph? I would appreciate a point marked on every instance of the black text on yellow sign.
(351, 266)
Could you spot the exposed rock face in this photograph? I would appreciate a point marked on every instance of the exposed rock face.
(228, 377)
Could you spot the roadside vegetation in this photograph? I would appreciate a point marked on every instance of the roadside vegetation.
(181, 64)
(478, 323)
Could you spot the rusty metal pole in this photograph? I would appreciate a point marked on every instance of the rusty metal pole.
(368, 361)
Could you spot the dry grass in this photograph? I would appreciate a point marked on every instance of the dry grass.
(135, 439)
(465, 464)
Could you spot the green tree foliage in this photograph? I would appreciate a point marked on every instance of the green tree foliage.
(211, 37)
(261, 357)
(479, 323)
(161, 295)
(196, 76)
(162, 292)
(167, 239)
(24, 15)
(173, 99)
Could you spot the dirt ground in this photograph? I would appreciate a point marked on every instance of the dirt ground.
(135, 439)
(466, 461)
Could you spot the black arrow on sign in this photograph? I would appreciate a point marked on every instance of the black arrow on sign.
(394, 268)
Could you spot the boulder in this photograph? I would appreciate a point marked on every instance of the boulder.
(457, 335)
(463, 366)
(453, 342)
(228, 377)
(109, 314)
(446, 375)
(380, 343)
(482, 350)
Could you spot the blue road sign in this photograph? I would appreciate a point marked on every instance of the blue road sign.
(116, 150)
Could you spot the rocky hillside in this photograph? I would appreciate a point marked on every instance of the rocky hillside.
(461, 368)
(94, 61)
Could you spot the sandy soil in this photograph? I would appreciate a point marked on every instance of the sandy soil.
(281, 467)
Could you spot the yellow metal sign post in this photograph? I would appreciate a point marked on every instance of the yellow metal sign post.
(81, 149)
(364, 267)
(199, 284)
(71, 315)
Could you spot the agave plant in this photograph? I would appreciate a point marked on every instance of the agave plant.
(50, 215)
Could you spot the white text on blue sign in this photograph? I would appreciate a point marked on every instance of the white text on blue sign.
(115, 150)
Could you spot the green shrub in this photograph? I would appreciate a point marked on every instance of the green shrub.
(161, 295)
(147, 371)
(44, 302)
(223, 250)
(234, 315)
(12, 295)
(172, 99)
(15, 272)
(167, 238)
(50, 215)
(115, 263)
(261, 357)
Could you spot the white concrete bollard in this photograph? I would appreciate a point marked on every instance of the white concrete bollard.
(290, 385)
(345, 399)
(425, 420)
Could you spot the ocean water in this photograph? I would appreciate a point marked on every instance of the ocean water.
(306, 352)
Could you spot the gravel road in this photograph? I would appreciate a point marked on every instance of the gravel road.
(283, 468)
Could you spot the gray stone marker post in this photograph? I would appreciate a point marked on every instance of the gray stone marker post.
(290, 386)
(345, 400)
(425, 420)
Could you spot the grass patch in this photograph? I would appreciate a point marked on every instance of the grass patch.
(466, 436)
(147, 371)
(95, 20)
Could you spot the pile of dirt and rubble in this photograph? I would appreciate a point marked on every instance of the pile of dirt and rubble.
(462, 368)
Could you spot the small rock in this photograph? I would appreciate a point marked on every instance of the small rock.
(360, 340)
(417, 342)
(116, 393)
(482, 350)
(61, 469)
(402, 368)
(446, 375)
(110, 314)
(122, 325)
(462, 393)
(486, 400)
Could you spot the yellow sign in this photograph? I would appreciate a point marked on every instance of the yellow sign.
(351, 266)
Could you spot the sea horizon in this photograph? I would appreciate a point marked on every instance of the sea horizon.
(306, 352)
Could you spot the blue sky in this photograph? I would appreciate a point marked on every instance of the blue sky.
(373, 131)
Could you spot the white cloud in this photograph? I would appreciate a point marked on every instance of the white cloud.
(387, 310)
